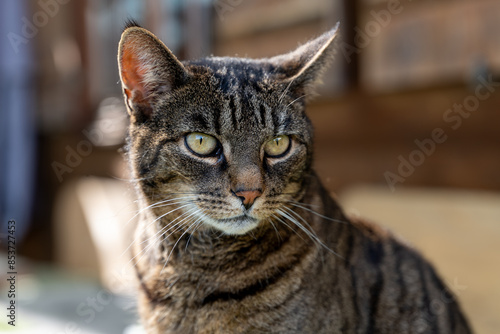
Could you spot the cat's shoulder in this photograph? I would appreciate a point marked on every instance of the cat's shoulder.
(370, 229)
(374, 233)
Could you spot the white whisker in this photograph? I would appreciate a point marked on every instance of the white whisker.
(179, 239)
(135, 239)
(154, 205)
(300, 217)
(169, 225)
(318, 214)
(309, 233)
(199, 222)
(306, 204)
(157, 239)
(274, 227)
(295, 100)
(284, 223)
(285, 91)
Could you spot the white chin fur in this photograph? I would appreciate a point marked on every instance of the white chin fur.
(233, 226)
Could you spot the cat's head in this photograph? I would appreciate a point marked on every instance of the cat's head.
(225, 141)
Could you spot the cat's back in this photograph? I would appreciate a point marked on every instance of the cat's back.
(383, 285)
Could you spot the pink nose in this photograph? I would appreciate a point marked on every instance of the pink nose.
(248, 197)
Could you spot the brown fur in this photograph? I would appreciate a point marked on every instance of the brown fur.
(208, 261)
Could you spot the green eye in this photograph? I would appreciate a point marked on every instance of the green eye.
(201, 143)
(277, 146)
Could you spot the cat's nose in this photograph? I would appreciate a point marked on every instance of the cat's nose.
(248, 196)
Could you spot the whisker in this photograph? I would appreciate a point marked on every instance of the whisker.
(284, 223)
(285, 91)
(170, 223)
(307, 232)
(156, 239)
(154, 205)
(300, 217)
(184, 219)
(305, 204)
(135, 239)
(298, 224)
(199, 222)
(274, 227)
(295, 100)
(307, 224)
(318, 214)
(178, 239)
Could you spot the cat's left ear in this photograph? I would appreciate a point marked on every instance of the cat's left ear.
(302, 67)
(148, 71)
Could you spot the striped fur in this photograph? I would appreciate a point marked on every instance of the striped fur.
(292, 262)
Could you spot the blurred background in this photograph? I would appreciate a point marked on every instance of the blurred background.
(407, 133)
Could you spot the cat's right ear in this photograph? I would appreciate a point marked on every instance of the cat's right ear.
(148, 70)
(300, 69)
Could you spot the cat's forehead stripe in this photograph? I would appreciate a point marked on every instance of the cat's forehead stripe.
(245, 94)
(217, 121)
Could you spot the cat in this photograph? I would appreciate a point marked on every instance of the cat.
(237, 233)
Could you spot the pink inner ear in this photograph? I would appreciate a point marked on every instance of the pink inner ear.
(133, 76)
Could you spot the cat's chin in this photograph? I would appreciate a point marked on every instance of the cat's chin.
(234, 226)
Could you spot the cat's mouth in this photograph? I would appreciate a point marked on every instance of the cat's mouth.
(235, 225)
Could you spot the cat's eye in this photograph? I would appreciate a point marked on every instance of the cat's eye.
(201, 144)
(277, 146)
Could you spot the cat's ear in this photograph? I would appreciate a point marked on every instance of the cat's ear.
(148, 70)
(302, 67)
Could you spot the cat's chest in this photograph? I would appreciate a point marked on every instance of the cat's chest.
(255, 301)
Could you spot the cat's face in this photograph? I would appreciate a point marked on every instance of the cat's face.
(224, 141)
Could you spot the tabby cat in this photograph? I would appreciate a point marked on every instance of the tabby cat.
(237, 233)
